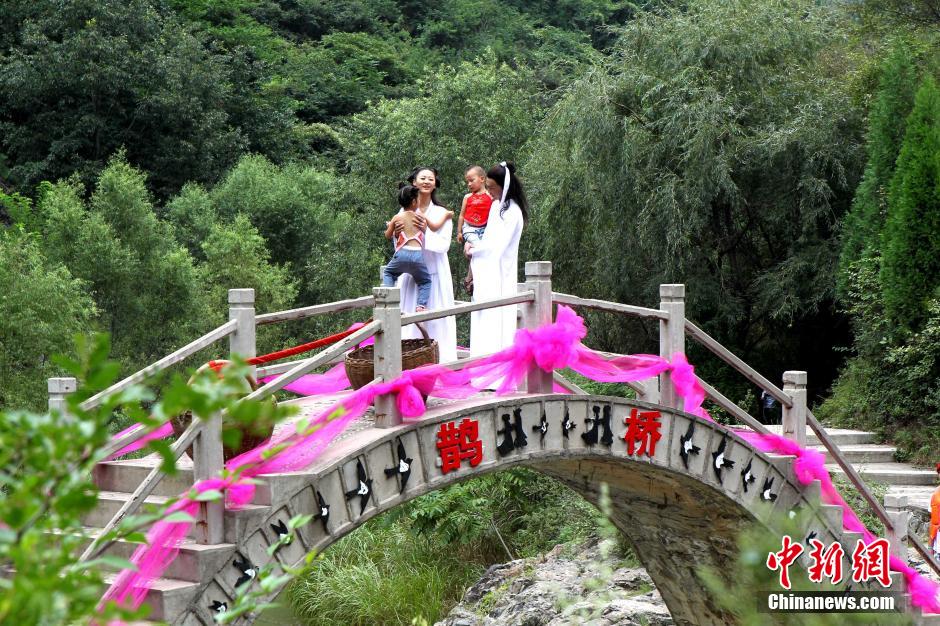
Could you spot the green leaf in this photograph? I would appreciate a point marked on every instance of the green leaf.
(210, 495)
(179, 516)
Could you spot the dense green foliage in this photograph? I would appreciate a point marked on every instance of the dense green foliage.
(145, 285)
(893, 102)
(910, 261)
(83, 79)
(888, 271)
(43, 306)
(716, 147)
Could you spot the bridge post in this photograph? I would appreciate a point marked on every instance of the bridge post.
(671, 336)
(59, 388)
(794, 417)
(538, 275)
(900, 516)
(208, 459)
(241, 307)
(387, 351)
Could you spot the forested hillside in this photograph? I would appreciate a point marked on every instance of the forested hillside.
(774, 156)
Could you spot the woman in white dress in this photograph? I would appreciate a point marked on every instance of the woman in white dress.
(436, 244)
(495, 261)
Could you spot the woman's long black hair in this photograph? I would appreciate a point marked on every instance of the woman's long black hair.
(437, 181)
(515, 192)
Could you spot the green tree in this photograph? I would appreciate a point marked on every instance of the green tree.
(291, 206)
(716, 147)
(343, 72)
(81, 79)
(911, 239)
(146, 286)
(193, 217)
(236, 258)
(476, 112)
(43, 307)
(895, 97)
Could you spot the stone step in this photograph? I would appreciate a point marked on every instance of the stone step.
(841, 436)
(918, 497)
(109, 502)
(195, 562)
(889, 473)
(862, 453)
(167, 598)
(126, 475)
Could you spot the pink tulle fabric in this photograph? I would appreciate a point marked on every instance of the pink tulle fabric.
(131, 586)
(164, 430)
(551, 347)
(331, 381)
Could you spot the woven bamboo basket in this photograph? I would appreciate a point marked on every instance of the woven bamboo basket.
(251, 438)
(360, 363)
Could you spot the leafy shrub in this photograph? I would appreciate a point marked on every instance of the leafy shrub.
(382, 575)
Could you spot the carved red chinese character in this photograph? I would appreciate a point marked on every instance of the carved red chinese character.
(871, 561)
(782, 560)
(826, 563)
(458, 442)
(643, 428)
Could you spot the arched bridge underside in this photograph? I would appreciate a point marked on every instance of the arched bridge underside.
(678, 510)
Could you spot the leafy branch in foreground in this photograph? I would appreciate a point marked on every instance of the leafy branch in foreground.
(46, 480)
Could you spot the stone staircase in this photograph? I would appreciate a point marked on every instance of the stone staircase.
(875, 463)
(196, 562)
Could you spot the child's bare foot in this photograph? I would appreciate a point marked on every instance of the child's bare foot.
(420, 309)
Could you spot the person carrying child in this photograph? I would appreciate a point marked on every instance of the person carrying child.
(474, 214)
(409, 244)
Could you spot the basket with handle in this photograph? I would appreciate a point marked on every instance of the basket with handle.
(251, 438)
(360, 363)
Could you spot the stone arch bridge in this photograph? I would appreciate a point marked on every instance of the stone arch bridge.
(681, 499)
(678, 511)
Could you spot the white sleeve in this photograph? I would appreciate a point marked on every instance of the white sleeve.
(438, 240)
(496, 240)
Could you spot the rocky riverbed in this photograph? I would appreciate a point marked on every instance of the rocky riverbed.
(587, 585)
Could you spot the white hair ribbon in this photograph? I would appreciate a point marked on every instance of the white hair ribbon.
(502, 200)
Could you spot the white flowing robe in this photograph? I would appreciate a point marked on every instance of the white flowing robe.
(436, 244)
(495, 265)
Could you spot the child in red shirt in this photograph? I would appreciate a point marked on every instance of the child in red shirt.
(474, 213)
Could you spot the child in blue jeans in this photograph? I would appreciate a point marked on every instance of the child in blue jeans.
(409, 245)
